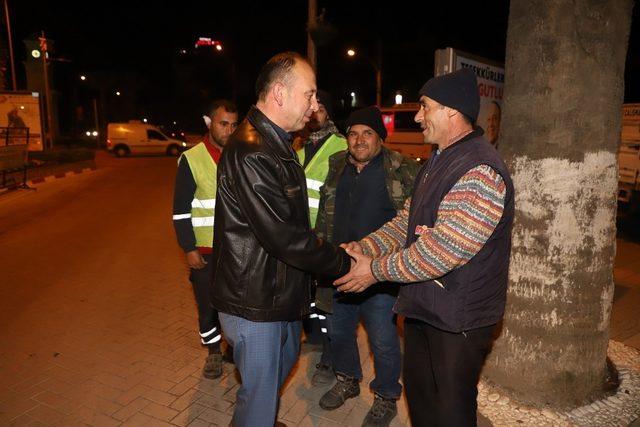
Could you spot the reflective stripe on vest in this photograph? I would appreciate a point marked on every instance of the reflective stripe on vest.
(317, 169)
(313, 184)
(204, 170)
(205, 204)
(202, 221)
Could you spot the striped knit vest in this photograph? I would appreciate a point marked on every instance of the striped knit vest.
(474, 295)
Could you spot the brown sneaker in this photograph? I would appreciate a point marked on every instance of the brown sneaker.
(213, 366)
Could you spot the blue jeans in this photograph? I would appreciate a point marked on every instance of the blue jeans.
(264, 353)
(375, 308)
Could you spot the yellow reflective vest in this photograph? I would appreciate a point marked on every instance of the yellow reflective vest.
(317, 169)
(204, 171)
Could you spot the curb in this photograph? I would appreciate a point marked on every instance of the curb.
(52, 177)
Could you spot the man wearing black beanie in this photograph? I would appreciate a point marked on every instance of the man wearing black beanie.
(366, 186)
(450, 249)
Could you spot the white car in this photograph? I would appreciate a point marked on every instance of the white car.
(136, 137)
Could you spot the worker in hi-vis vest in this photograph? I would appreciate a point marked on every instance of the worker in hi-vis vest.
(324, 140)
(193, 214)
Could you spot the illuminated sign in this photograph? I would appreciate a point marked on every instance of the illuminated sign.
(206, 41)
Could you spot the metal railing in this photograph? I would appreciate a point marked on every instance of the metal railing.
(14, 136)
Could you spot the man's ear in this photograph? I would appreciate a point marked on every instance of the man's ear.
(450, 112)
(279, 91)
(207, 121)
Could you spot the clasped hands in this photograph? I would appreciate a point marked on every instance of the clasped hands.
(360, 276)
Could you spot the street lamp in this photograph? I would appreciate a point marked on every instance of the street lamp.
(83, 77)
(377, 67)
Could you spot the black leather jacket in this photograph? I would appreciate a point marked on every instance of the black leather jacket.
(264, 250)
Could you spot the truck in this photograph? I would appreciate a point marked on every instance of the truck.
(136, 137)
(629, 157)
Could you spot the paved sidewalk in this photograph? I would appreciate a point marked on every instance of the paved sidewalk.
(126, 353)
(625, 317)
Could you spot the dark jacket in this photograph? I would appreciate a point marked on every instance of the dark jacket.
(265, 249)
(473, 295)
(400, 173)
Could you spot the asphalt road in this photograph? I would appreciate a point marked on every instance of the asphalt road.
(88, 236)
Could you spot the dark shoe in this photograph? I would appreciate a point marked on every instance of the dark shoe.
(381, 413)
(213, 366)
(227, 356)
(323, 375)
(345, 388)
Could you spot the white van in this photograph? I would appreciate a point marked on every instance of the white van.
(403, 133)
(136, 137)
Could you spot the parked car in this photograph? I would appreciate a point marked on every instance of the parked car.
(135, 137)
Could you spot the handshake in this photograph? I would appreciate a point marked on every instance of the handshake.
(360, 276)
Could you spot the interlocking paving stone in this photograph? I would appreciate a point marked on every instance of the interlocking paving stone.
(121, 342)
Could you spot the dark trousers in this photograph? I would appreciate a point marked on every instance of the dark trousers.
(376, 310)
(441, 372)
(207, 316)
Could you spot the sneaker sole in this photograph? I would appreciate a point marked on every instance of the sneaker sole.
(331, 408)
(211, 376)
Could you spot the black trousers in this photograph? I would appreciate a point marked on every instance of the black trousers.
(209, 324)
(441, 372)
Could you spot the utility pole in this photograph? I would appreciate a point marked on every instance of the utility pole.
(312, 22)
(10, 40)
(378, 67)
(47, 91)
(95, 118)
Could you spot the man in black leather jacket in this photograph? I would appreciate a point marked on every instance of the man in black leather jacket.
(265, 251)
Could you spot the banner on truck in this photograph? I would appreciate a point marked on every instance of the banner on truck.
(490, 86)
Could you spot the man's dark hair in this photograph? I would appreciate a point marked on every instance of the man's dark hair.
(228, 106)
(278, 68)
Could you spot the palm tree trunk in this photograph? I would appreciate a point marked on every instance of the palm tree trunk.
(561, 128)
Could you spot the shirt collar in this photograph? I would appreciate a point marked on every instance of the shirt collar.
(283, 134)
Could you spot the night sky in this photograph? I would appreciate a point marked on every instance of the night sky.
(134, 47)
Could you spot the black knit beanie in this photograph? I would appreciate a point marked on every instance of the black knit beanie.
(457, 90)
(370, 116)
(326, 100)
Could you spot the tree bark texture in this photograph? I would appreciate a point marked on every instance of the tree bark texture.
(561, 129)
